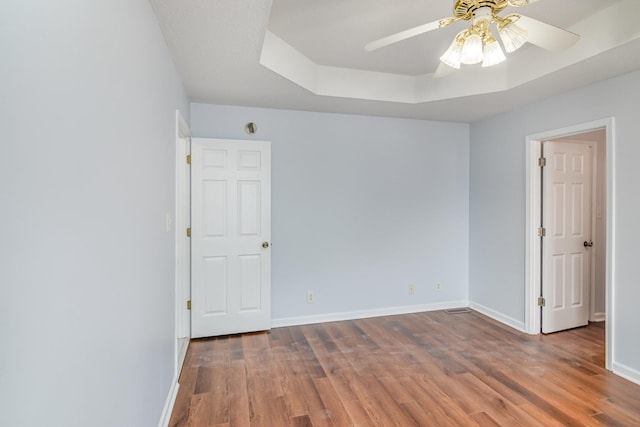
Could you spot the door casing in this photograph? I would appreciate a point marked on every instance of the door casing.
(182, 217)
(533, 214)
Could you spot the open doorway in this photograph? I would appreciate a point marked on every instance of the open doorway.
(598, 134)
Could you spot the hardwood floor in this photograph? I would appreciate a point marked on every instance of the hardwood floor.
(425, 369)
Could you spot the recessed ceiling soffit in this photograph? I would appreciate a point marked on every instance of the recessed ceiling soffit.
(604, 30)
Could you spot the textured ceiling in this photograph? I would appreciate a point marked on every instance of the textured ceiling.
(218, 47)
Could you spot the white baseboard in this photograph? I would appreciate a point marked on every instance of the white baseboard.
(168, 406)
(363, 314)
(509, 321)
(626, 372)
(598, 317)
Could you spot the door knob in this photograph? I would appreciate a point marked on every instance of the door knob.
(588, 244)
(266, 244)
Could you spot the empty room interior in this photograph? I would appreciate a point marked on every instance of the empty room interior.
(336, 213)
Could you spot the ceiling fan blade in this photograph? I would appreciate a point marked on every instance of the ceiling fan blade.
(443, 70)
(403, 35)
(546, 35)
(520, 3)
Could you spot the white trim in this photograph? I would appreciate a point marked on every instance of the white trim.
(595, 174)
(532, 244)
(363, 314)
(182, 263)
(509, 321)
(599, 317)
(610, 244)
(626, 372)
(181, 341)
(168, 405)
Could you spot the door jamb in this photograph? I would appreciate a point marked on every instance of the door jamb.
(532, 221)
(182, 246)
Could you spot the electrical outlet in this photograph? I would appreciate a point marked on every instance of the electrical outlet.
(438, 286)
(412, 289)
(310, 297)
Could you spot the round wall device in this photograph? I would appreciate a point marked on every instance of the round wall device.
(251, 128)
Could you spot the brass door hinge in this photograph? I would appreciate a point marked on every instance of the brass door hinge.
(541, 301)
(188, 159)
(542, 162)
(189, 305)
(188, 231)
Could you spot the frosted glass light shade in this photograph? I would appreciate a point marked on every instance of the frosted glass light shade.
(493, 54)
(513, 37)
(472, 50)
(452, 56)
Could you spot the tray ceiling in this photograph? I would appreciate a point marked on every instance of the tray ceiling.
(309, 55)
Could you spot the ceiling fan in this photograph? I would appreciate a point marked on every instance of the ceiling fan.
(476, 44)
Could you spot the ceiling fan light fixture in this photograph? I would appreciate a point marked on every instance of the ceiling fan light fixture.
(513, 36)
(493, 54)
(472, 50)
(477, 44)
(452, 56)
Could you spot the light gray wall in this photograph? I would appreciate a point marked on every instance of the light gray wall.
(89, 94)
(361, 207)
(497, 201)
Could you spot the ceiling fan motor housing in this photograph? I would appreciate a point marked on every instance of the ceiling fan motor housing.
(463, 9)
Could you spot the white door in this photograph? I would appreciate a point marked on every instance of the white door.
(566, 218)
(230, 236)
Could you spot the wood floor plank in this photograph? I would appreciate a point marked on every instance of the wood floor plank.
(239, 412)
(613, 415)
(298, 381)
(342, 379)
(358, 414)
(417, 413)
(621, 392)
(334, 408)
(395, 389)
(541, 415)
(379, 404)
(436, 403)
(537, 399)
(301, 421)
(199, 410)
(571, 410)
(220, 396)
(495, 405)
(420, 369)
(188, 377)
(485, 420)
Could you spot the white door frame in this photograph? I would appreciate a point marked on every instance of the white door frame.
(183, 248)
(533, 212)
